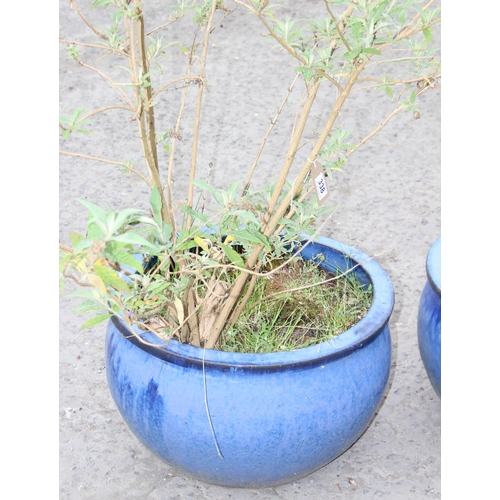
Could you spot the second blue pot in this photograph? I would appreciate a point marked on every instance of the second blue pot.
(429, 318)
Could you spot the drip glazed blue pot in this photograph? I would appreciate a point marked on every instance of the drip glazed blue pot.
(429, 318)
(256, 420)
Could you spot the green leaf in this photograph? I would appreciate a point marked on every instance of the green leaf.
(428, 35)
(88, 306)
(123, 216)
(133, 239)
(252, 237)
(110, 222)
(388, 91)
(185, 238)
(100, 3)
(95, 210)
(203, 185)
(186, 245)
(378, 10)
(72, 51)
(246, 215)
(369, 50)
(82, 131)
(195, 215)
(95, 231)
(72, 122)
(233, 255)
(353, 54)
(82, 293)
(76, 114)
(75, 238)
(306, 71)
(156, 205)
(96, 320)
(232, 190)
(128, 70)
(109, 277)
(125, 259)
(218, 196)
(166, 232)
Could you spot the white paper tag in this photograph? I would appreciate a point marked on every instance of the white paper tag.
(320, 184)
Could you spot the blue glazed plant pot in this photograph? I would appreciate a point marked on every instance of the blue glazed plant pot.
(429, 318)
(256, 420)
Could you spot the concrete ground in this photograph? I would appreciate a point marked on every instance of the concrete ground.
(389, 206)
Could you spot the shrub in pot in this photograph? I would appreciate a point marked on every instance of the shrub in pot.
(174, 284)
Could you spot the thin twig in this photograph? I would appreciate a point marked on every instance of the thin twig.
(72, 4)
(107, 108)
(65, 248)
(227, 309)
(383, 124)
(266, 137)
(240, 282)
(144, 62)
(339, 30)
(112, 162)
(163, 26)
(233, 318)
(196, 127)
(285, 204)
(95, 46)
(292, 150)
(106, 78)
(392, 84)
(174, 140)
(287, 47)
(227, 12)
(187, 78)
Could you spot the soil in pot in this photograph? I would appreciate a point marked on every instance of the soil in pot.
(297, 306)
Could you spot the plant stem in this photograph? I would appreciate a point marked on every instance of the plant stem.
(254, 257)
(375, 130)
(196, 128)
(174, 140)
(149, 110)
(187, 79)
(280, 211)
(93, 45)
(72, 5)
(145, 114)
(107, 108)
(292, 150)
(108, 79)
(285, 204)
(338, 25)
(119, 163)
(266, 137)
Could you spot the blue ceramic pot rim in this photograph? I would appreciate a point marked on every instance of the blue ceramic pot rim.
(359, 335)
(433, 266)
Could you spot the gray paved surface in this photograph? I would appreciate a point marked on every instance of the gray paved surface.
(389, 205)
